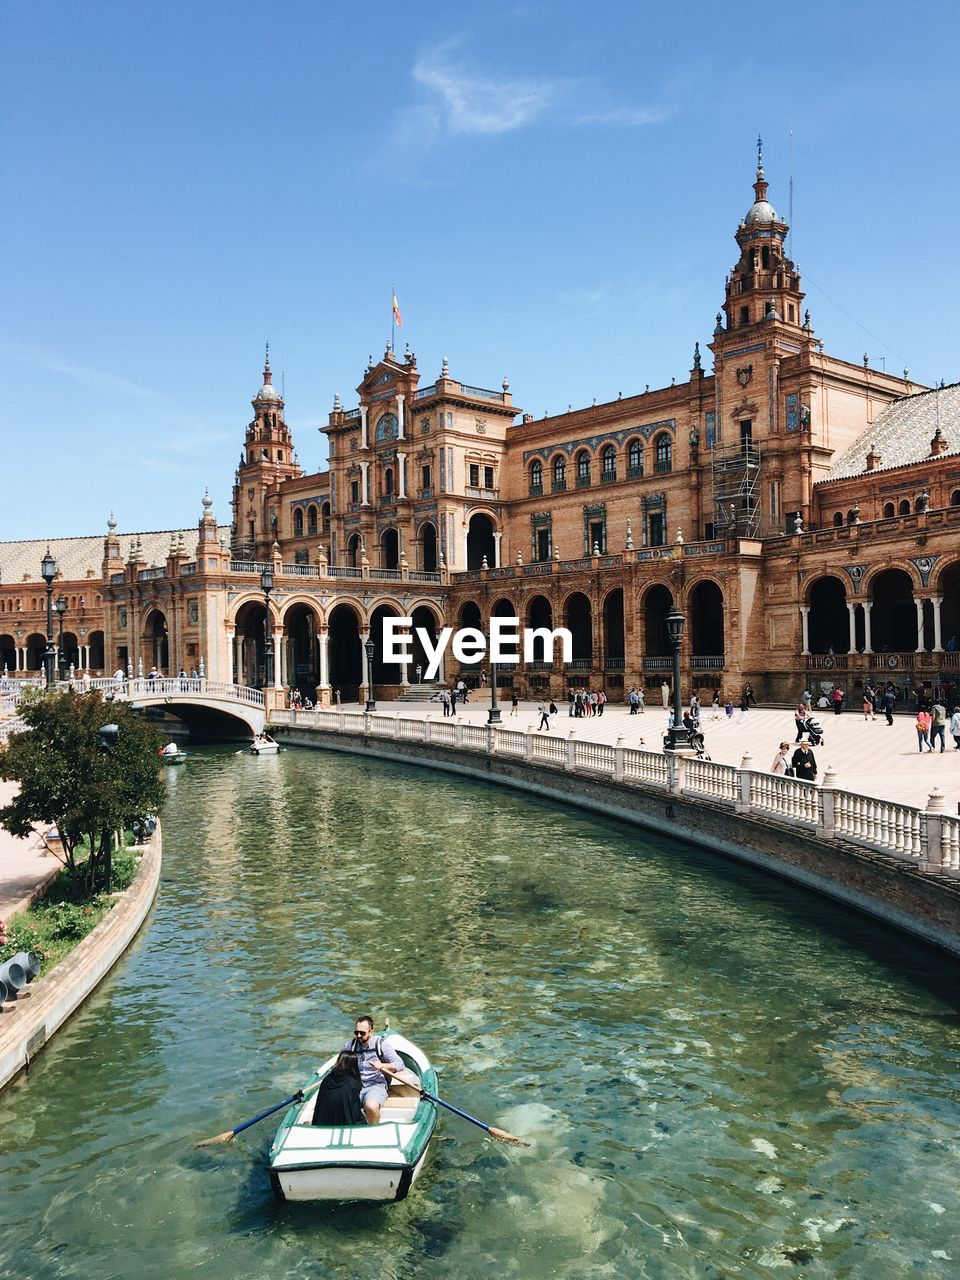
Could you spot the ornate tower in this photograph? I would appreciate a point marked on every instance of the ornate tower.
(267, 460)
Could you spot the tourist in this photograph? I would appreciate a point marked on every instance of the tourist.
(836, 698)
(728, 709)
(120, 679)
(869, 709)
(183, 680)
(889, 702)
(665, 694)
(554, 709)
(807, 699)
(462, 690)
(601, 702)
(336, 696)
(171, 749)
(922, 727)
(781, 761)
(514, 703)
(744, 708)
(419, 671)
(804, 764)
(800, 719)
(445, 699)
(571, 703)
(748, 697)
(338, 1098)
(695, 708)
(715, 705)
(632, 699)
(544, 718)
(483, 679)
(938, 725)
(952, 644)
(641, 708)
(85, 681)
(955, 727)
(376, 1060)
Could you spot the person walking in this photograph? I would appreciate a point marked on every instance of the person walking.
(955, 727)
(889, 702)
(800, 720)
(544, 718)
(781, 761)
(715, 704)
(633, 702)
(514, 701)
(869, 702)
(748, 697)
(938, 725)
(836, 699)
(804, 763)
(665, 695)
(601, 702)
(922, 727)
(641, 708)
(744, 709)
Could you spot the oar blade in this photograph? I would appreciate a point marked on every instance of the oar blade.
(501, 1135)
(212, 1142)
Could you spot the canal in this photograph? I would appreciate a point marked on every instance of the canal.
(721, 1075)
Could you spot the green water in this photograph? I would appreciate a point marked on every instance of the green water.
(720, 1075)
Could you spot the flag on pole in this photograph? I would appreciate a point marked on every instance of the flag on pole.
(397, 317)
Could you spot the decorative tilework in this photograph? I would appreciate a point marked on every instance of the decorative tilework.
(793, 413)
(855, 573)
(711, 430)
(645, 430)
(925, 567)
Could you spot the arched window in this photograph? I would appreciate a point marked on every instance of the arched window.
(635, 460)
(325, 517)
(583, 469)
(889, 510)
(955, 498)
(298, 523)
(536, 476)
(388, 481)
(663, 453)
(388, 427)
(609, 464)
(837, 519)
(559, 473)
(311, 519)
(904, 508)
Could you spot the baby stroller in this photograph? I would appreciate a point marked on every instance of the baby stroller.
(814, 728)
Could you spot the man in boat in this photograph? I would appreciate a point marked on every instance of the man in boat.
(377, 1061)
(171, 749)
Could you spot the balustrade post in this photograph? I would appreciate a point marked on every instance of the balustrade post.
(618, 769)
(675, 765)
(342, 718)
(528, 743)
(932, 819)
(828, 816)
(746, 784)
(396, 725)
(366, 723)
(458, 733)
(491, 740)
(426, 729)
(571, 758)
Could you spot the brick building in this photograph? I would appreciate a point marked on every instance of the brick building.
(801, 510)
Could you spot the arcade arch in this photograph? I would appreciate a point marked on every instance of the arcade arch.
(657, 603)
(706, 620)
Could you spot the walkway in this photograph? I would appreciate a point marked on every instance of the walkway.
(870, 758)
(23, 866)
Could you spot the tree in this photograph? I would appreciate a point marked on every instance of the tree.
(89, 785)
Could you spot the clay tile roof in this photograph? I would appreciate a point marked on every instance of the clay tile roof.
(75, 556)
(903, 431)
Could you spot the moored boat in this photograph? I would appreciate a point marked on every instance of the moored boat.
(363, 1161)
(264, 745)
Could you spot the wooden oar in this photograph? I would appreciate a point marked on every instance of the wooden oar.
(501, 1135)
(232, 1133)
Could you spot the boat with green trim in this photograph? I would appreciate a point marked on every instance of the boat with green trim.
(362, 1161)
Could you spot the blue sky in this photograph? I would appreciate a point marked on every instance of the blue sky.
(552, 187)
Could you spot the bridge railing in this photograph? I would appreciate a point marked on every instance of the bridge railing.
(927, 840)
(191, 686)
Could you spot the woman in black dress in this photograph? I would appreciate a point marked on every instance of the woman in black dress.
(338, 1098)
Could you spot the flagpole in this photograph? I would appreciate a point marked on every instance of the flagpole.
(393, 314)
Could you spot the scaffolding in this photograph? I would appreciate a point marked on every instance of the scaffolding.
(736, 491)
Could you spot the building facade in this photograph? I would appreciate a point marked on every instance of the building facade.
(801, 510)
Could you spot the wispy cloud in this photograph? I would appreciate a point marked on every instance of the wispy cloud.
(463, 102)
(100, 380)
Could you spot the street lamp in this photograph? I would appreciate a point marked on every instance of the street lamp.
(61, 608)
(266, 586)
(369, 648)
(678, 738)
(48, 571)
(493, 715)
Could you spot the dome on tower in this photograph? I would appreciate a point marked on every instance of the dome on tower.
(268, 392)
(761, 211)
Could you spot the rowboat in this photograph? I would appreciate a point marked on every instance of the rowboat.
(179, 758)
(263, 746)
(363, 1161)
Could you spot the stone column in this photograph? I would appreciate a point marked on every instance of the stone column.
(364, 436)
(852, 619)
(920, 644)
(401, 418)
(867, 638)
(279, 657)
(323, 640)
(401, 475)
(466, 534)
(232, 655)
(805, 618)
(365, 485)
(937, 601)
(21, 660)
(496, 550)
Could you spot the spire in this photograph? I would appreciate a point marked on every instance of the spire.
(267, 375)
(760, 186)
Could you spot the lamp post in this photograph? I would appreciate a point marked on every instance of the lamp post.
(369, 648)
(48, 571)
(61, 608)
(678, 738)
(493, 715)
(266, 586)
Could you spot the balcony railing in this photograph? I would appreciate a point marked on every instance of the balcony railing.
(663, 465)
(559, 486)
(151, 575)
(425, 392)
(658, 664)
(249, 566)
(706, 662)
(536, 490)
(608, 477)
(491, 495)
(343, 571)
(480, 393)
(302, 570)
(635, 473)
(615, 664)
(424, 575)
(579, 664)
(583, 482)
(425, 493)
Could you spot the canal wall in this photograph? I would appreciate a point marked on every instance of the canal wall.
(888, 861)
(41, 1008)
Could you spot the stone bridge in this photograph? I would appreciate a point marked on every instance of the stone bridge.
(209, 708)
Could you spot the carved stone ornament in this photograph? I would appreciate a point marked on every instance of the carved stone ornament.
(354, 444)
(481, 427)
(744, 374)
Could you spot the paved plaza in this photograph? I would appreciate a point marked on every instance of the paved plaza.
(868, 757)
(24, 864)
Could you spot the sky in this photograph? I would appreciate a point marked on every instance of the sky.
(552, 189)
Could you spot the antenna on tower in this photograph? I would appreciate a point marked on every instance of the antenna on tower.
(283, 378)
(790, 232)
